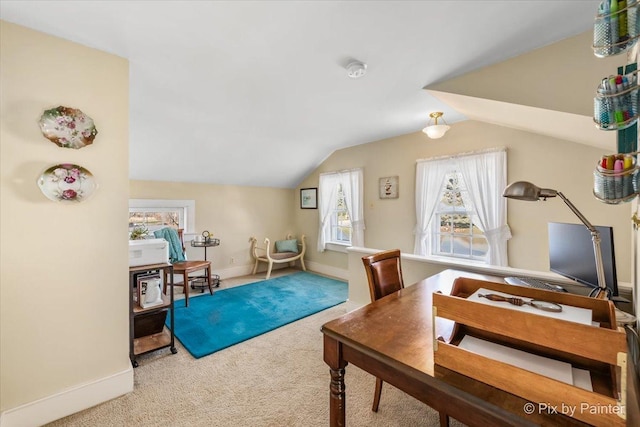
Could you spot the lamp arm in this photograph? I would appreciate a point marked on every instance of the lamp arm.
(575, 210)
(595, 237)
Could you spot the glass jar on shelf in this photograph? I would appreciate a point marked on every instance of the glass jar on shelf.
(615, 105)
(616, 178)
(616, 28)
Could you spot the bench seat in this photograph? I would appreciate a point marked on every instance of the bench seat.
(269, 256)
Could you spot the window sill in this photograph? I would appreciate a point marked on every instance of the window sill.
(456, 260)
(337, 247)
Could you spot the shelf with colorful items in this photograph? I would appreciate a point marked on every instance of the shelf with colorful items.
(617, 30)
(615, 106)
(616, 178)
(617, 27)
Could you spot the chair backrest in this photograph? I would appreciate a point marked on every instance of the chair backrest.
(384, 273)
(181, 236)
(176, 245)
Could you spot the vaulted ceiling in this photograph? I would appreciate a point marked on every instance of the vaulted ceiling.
(257, 93)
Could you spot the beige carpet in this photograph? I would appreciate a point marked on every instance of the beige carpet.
(276, 379)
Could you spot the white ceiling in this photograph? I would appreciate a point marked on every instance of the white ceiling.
(256, 92)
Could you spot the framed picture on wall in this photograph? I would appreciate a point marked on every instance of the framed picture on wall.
(389, 187)
(308, 198)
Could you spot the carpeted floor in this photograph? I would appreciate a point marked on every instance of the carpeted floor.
(276, 379)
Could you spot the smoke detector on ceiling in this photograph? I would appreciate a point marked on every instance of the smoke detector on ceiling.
(356, 69)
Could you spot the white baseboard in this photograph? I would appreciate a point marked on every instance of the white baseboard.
(245, 270)
(227, 273)
(338, 273)
(68, 402)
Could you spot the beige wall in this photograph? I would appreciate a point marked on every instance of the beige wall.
(63, 276)
(562, 76)
(545, 161)
(232, 214)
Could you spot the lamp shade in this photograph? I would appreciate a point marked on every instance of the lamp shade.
(523, 190)
(436, 131)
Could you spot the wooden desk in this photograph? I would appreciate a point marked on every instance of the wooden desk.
(392, 339)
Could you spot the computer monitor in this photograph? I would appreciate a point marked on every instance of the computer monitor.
(571, 254)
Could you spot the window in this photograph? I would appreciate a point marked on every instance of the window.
(454, 233)
(157, 214)
(156, 218)
(340, 209)
(340, 220)
(460, 211)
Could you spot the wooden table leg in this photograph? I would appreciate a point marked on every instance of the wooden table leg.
(186, 288)
(444, 420)
(337, 401)
(209, 279)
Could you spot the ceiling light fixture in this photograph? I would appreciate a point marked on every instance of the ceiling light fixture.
(435, 131)
(356, 69)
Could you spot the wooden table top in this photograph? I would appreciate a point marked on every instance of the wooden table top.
(403, 323)
(397, 330)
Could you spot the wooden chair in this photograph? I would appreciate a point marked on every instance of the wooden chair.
(186, 268)
(384, 274)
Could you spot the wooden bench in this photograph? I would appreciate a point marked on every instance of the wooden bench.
(269, 255)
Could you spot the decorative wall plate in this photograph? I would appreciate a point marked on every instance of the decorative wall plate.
(68, 127)
(66, 182)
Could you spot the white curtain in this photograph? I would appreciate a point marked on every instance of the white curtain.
(430, 176)
(327, 189)
(352, 188)
(485, 175)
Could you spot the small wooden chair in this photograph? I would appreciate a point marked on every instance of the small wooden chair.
(186, 268)
(384, 274)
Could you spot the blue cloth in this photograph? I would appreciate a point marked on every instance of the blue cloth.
(230, 316)
(175, 246)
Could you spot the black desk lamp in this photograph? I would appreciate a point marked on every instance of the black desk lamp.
(523, 190)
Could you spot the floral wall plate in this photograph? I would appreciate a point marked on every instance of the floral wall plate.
(68, 127)
(67, 182)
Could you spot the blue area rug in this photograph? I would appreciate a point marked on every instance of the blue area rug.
(230, 316)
